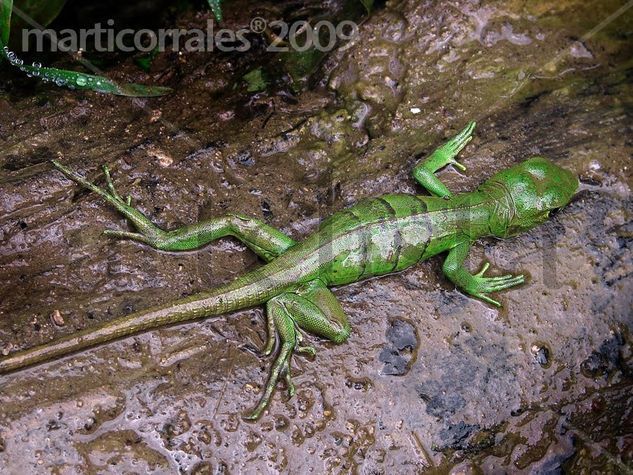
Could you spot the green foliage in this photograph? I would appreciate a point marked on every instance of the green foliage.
(76, 80)
(6, 7)
(301, 64)
(216, 8)
(145, 62)
(42, 12)
(368, 4)
(255, 80)
(62, 77)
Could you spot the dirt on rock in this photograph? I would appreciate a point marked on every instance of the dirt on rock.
(430, 381)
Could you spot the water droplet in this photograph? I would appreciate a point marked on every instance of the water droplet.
(37, 65)
(81, 81)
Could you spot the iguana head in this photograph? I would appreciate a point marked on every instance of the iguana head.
(534, 188)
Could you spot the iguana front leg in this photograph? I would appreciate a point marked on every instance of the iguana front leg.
(476, 285)
(264, 240)
(424, 171)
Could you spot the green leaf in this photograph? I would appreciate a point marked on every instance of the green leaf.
(301, 64)
(76, 80)
(255, 80)
(82, 81)
(62, 77)
(368, 4)
(6, 7)
(42, 12)
(216, 8)
(145, 62)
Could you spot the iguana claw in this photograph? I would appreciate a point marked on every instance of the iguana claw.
(484, 285)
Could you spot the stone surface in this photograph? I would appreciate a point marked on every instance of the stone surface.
(543, 384)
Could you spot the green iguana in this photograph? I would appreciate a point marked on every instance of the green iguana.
(375, 237)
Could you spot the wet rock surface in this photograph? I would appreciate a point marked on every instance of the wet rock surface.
(399, 352)
(542, 385)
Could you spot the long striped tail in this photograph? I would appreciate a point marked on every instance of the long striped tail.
(247, 291)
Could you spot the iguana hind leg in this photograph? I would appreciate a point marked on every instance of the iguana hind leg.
(266, 241)
(313, 309)
(330, 321)
(284, 329)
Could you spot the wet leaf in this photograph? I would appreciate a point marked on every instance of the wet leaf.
(41, 12)
(6, 6)
(62, 77)
(76, 80)
(368, 4)
(216, 8)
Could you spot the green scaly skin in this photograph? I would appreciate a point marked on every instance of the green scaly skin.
(375, 237)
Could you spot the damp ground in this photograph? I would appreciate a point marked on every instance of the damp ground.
(430, 381)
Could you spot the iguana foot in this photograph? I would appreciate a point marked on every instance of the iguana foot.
(112, 189)
(112, 196)
(480, 285)
(476, 285)
(290, 386)
(148, 233)
(281, 367)
(282, 326)
(455, 145)
(308, 350)
(424, 172)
